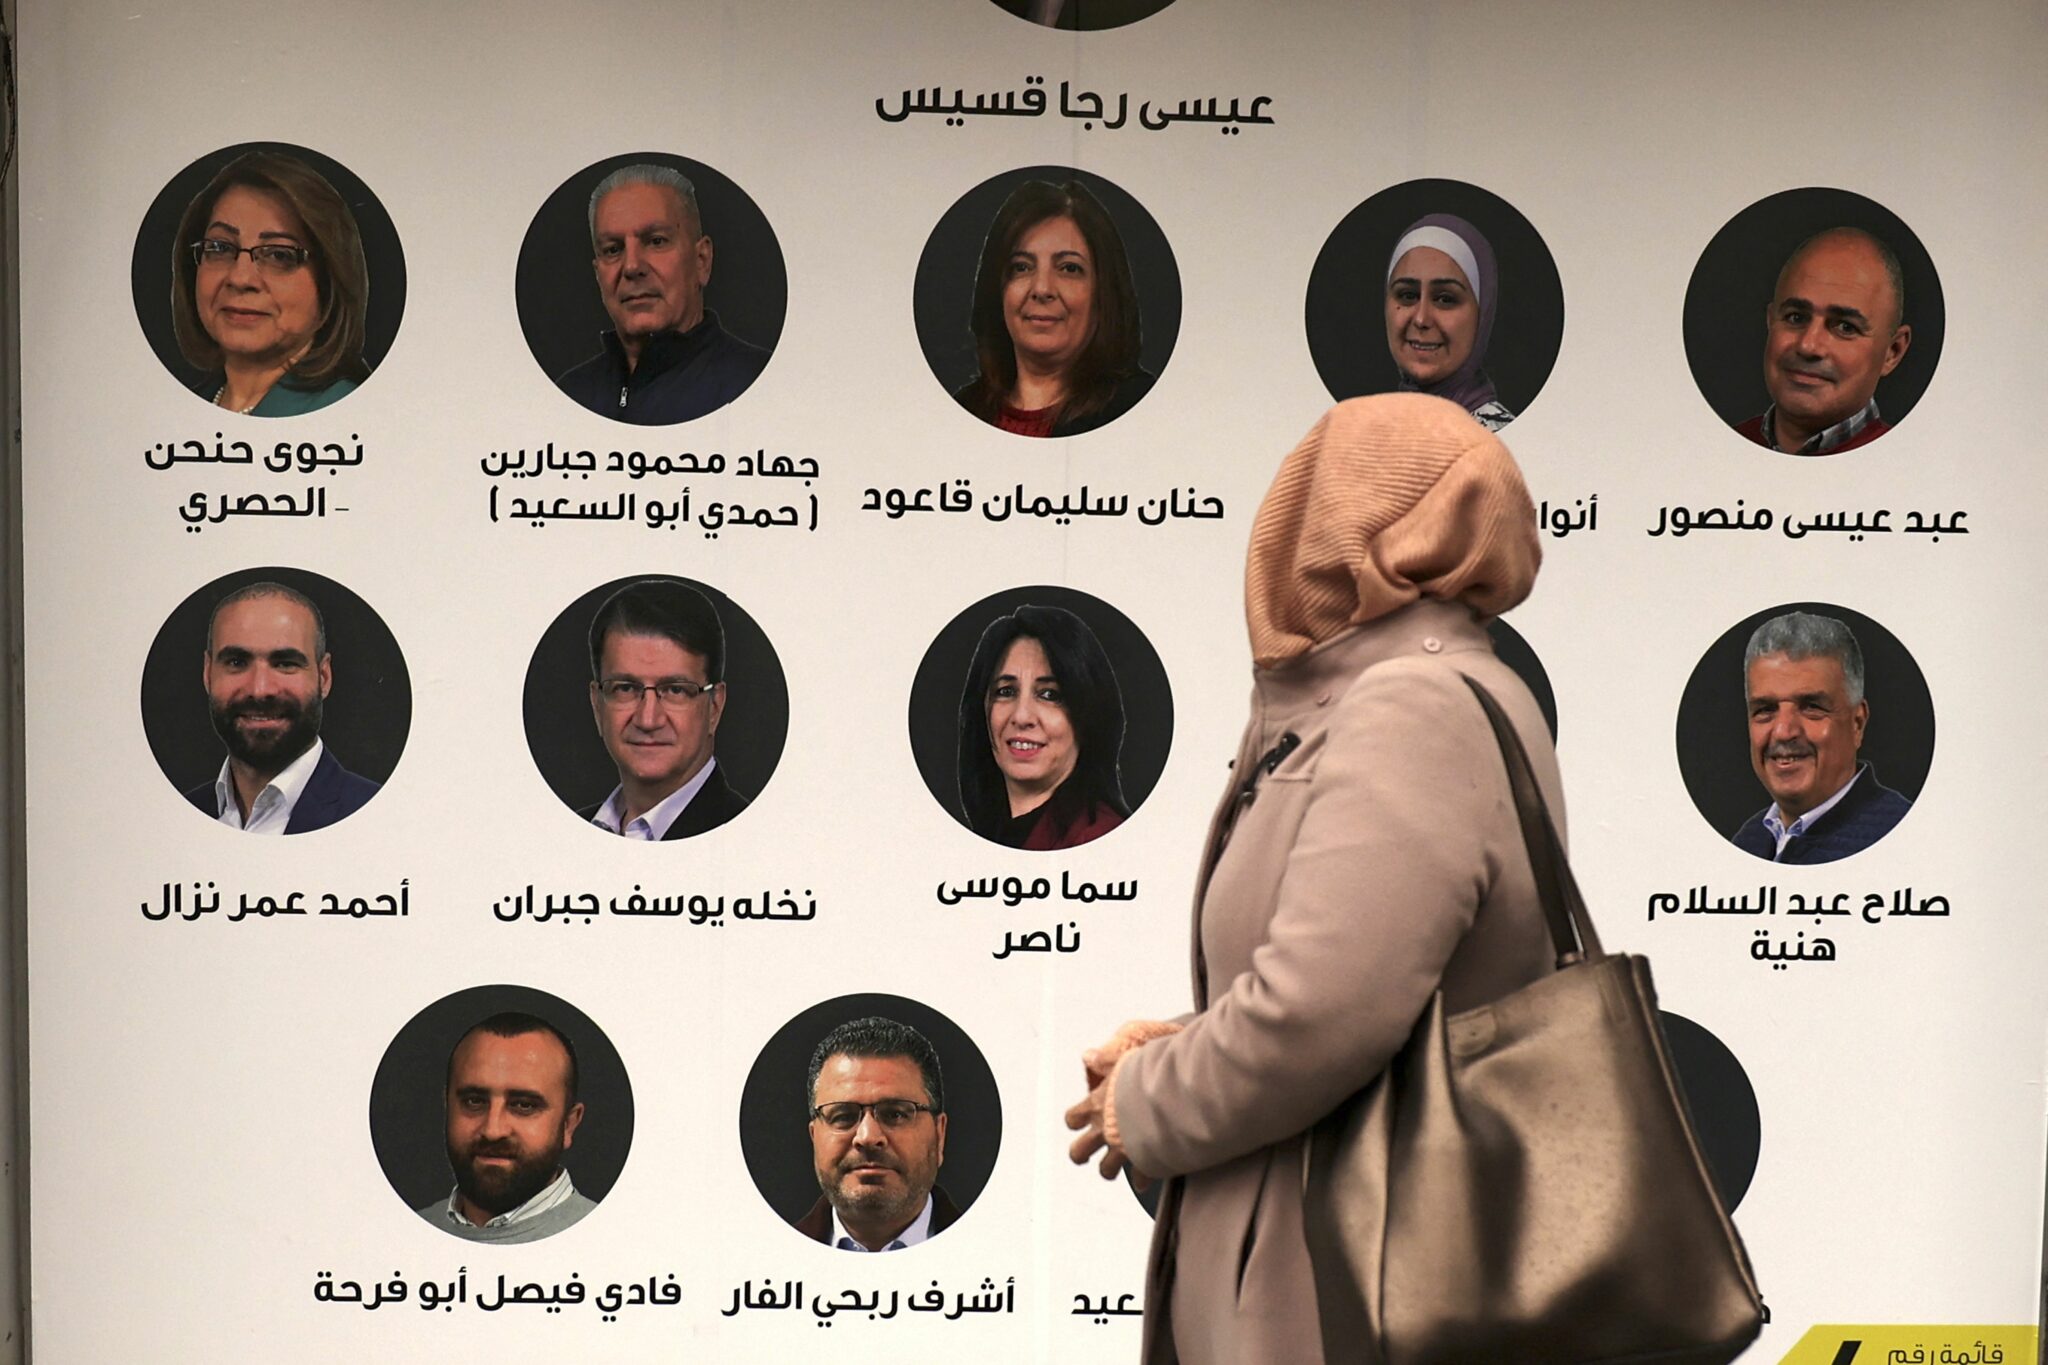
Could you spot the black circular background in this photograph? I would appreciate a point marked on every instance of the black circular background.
(1346, 315)
(562, 735)
(1091, 16)
(408, 1128)
(368, 713)
(774, 1118)
(1713, 731)
(560, 310)
(1730, 296)
(151, 268)
(1722, 1103)
(1515, 652)
(935, 692)
(942, 299)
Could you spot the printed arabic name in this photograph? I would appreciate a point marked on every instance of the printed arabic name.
(1084, 106)
(1681, 521)
(765, 1297)
(1014, 891)
(586, 906)
(305, 457)
(429, 1294)
(205, 899)
(958, 496)
(1561, 521)
(200, 511)
(1126, 1306)
(711, 518)
(538, 461)
(1872, 908)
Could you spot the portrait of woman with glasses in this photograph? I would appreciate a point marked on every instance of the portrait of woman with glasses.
(269, 289)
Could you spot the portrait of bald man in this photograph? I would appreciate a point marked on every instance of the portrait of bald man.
(1836, 326)
(268, 673)
(666, 357)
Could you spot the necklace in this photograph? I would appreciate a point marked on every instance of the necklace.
(222, 392)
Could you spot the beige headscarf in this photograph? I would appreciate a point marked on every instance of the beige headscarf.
(1387, 499)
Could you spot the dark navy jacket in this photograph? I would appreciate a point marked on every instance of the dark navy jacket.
(332, 794)
(680, 377)
(1857, 821)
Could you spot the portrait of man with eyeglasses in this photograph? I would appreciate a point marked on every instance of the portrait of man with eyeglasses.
(878, 1138)
(657, 691)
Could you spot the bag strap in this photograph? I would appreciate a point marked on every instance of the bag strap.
(1564, 909)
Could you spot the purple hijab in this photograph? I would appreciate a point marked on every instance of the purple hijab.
(1468, 387)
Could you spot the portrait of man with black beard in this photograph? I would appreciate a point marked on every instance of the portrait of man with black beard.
(512, 1112)
(267, 674)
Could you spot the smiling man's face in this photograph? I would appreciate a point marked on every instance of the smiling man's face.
(1833, 331)
(1804, 731)
(266, 681)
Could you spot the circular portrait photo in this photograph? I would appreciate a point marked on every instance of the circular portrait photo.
(305, 695)
(1516, 653)
(1722, 1103)
(1813, 321)
(501, 1114)
(870, 1123)
(1084, 15)
(651, 289)
(655, 708)
(1838, 739)
(268, 279)
(1047, 301)
(1041, 718)
(1436, 286)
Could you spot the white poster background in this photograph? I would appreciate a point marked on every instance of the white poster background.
(199, 1148)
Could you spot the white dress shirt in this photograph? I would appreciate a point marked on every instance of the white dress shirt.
(919, 1229)
(653, 824)
(271, 811)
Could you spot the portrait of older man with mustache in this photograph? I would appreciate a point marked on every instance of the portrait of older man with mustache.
(267, 674)
(666, 358)
(1803, 681)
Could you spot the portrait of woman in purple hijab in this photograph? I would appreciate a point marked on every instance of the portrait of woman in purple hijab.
(1442, 293)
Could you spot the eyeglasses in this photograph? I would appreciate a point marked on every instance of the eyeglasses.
(272, 258)
(673, 693)
(843, 1116)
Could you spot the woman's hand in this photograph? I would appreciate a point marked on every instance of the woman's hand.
(1098, 1062)
(1088, 1118)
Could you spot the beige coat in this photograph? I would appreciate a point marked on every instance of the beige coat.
(1379, 862)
